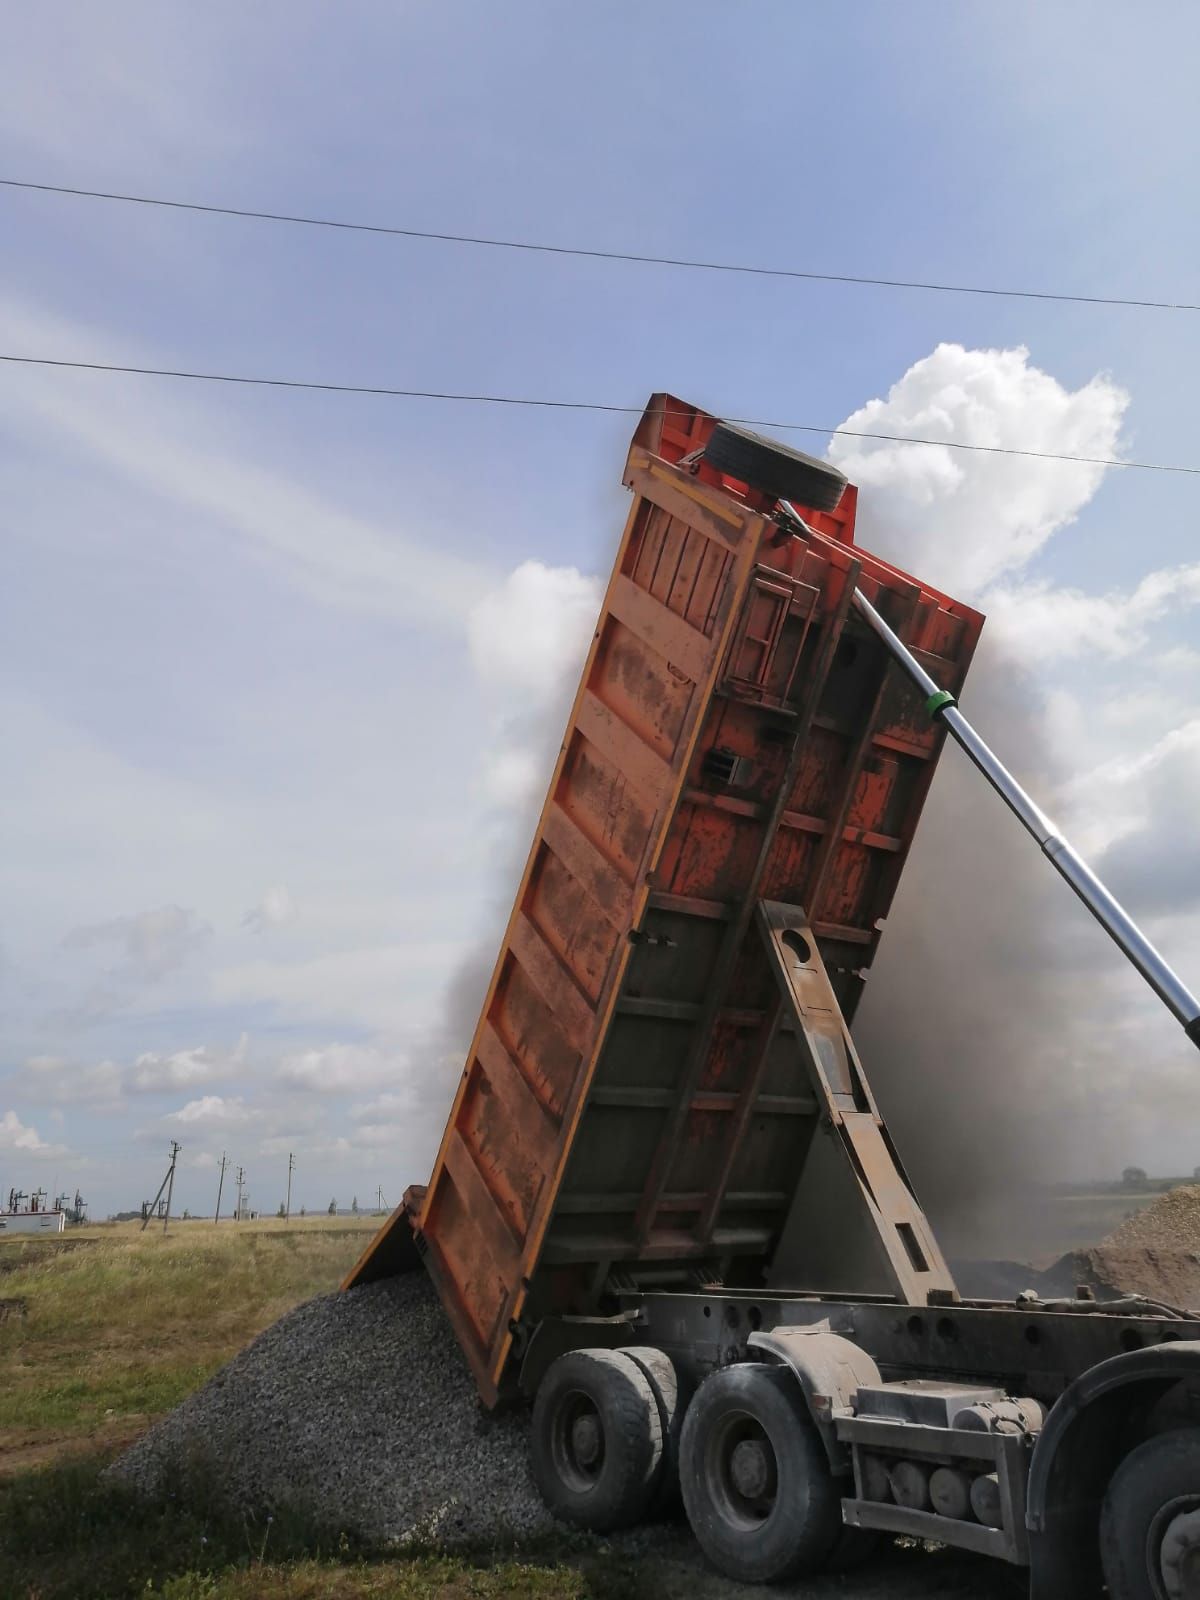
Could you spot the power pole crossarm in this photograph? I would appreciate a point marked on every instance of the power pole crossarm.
(1108, 912)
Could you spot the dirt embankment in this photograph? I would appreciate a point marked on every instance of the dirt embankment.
(1155, 1253)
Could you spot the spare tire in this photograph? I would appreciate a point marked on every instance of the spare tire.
(774, 469)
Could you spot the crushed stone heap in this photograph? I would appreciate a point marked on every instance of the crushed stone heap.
(1155, 1252)
(1172, 1222)
(358, 1409)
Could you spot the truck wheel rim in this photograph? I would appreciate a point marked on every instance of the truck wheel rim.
(742, 1471)
(1173, 1548)
(577, 1442)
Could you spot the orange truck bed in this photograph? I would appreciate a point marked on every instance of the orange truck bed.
(737, 738)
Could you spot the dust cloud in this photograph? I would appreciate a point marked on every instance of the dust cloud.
(528, 640)
(971, 1029)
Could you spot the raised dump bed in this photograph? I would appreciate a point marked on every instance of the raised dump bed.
(661, 1045)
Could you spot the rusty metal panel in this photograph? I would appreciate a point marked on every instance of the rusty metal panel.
(630, 1102)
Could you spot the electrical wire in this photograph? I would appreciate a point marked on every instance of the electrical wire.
(581, 405)
(599, 255)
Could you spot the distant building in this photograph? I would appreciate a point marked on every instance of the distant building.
(36, 1217)
(32, 1222)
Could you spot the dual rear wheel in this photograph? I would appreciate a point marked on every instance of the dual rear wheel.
(605, 1435)
(611, 1446)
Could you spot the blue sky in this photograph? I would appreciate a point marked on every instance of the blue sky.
(271, 759)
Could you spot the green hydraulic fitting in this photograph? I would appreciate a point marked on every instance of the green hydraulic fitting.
(938, 702)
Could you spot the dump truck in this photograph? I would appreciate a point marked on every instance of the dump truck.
(666, 1212)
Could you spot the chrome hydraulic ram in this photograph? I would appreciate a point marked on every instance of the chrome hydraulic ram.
(1107, 912)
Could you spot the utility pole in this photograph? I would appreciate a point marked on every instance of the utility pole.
(239, 1178)
(287, 1210)
(220, 1186)
(169, 1179)
(170, 1182)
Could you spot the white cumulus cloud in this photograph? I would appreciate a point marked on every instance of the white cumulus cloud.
(532, 628)
(340, 1068)
(152, 1073)
(528, 640)
(102, 1084)
(16, 1135)
(962, 519)
(213, 1111)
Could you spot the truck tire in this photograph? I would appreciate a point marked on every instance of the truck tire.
(773, 468)
(672, 1403)
(1150, 1520)
(756, 1483)
(596, 1442)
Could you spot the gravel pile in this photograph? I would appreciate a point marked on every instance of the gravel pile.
(1156, 1252)
(1172, 1222)
(358, 1410)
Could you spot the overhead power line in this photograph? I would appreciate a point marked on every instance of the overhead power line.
(628, 256)
(580, 405)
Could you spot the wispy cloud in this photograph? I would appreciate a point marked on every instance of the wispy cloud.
(149, 944)
(105, 1085)
(383, 988)
(338, 558)
(1045, 621)
(274, 910)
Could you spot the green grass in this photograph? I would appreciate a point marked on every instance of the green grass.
(127, 1323)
